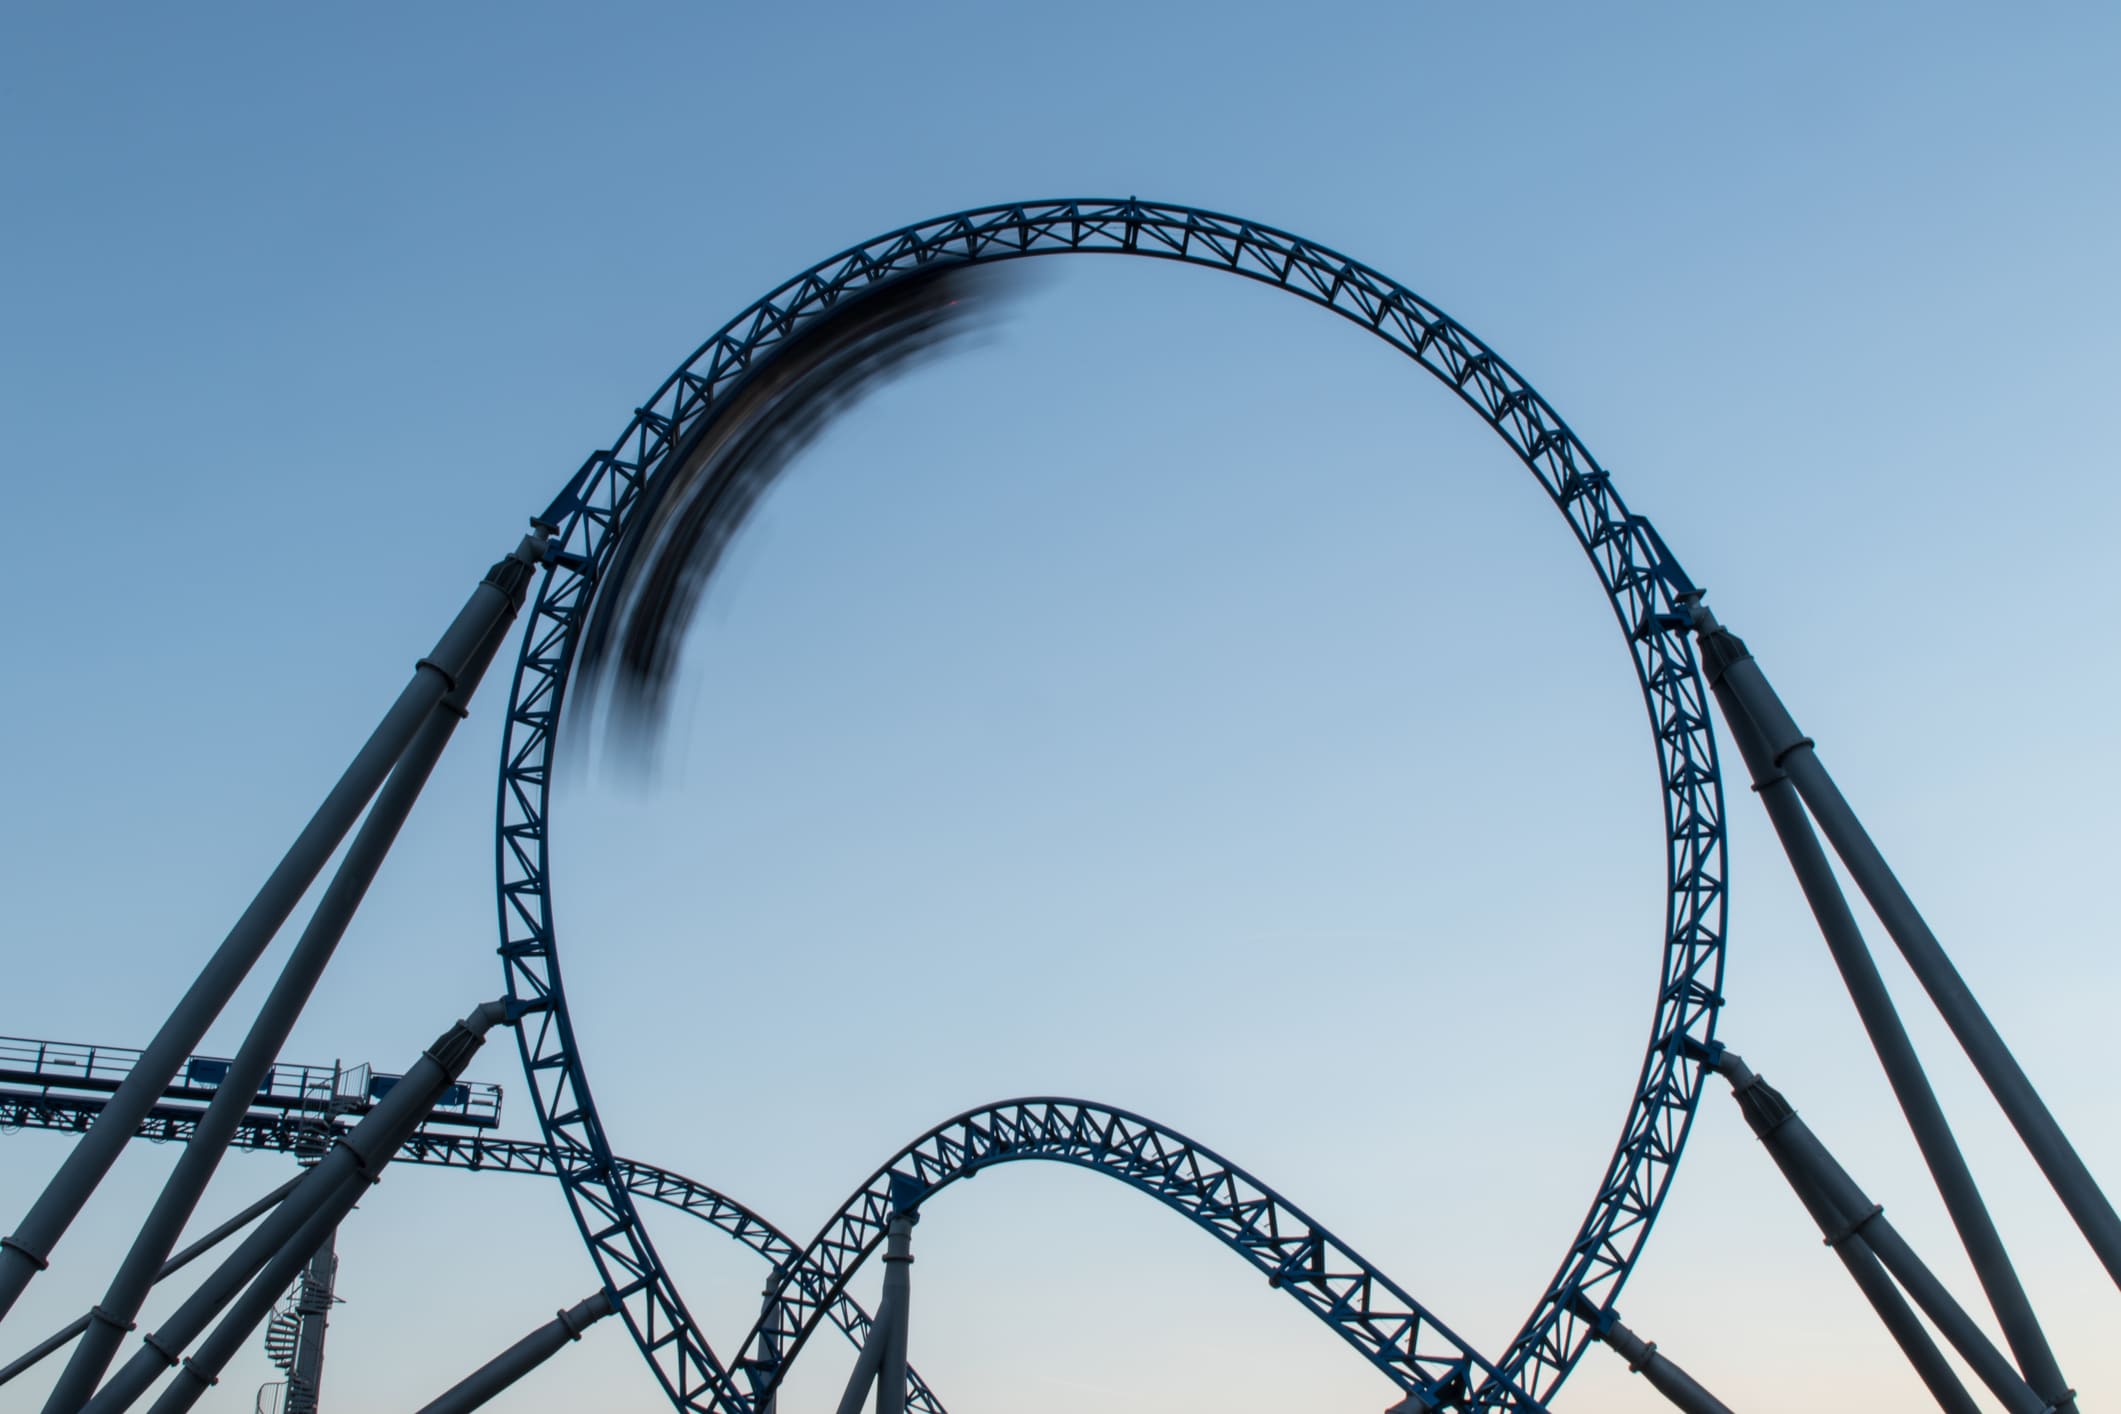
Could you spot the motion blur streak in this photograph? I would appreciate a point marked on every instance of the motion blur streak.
(660, 570)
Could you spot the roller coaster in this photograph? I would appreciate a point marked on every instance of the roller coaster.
(346, 1130)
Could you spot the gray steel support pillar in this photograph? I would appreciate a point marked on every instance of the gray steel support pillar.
(1644, 1359)
(313, 1302)
(305, 966)
(205, 1244)
(266, 1262)
(521, 1358)
(898, 1295)
(1863, 1219)
(866, 1363)
(55, 1341)
(1793, 752)
(193, 1377)
(1729, 667)
(27, 1250)
(228, 1229)
(1768, 1114)
(882, 1361)
(770, 1334)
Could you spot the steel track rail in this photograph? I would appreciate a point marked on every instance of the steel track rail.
(1357, 1301)
(1644, 585)
(484, 1153)
(792, 1269)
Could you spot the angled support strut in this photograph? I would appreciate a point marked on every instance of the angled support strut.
(175, 1264)
(1875, 1252)
(1740, 680)
(290, 993)
(883, 1359)
(264, 1264)
(448, 669)
(313, 1303)
(1644, 1359)
(1780, 759)
(521, 1358)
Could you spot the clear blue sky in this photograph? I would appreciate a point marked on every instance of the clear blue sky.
(1179, 702)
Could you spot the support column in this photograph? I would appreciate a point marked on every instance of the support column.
(898, 1295)
(313, 1302)
(1644, 1359)
(27, 1250)
(770, 1336)
(1765, 745)
(1768, 1115)
(524, 1356)
(865, 1364)
(882, 1361)
(269, 1258)
(205, 1244)
(276, 1019)
(1792, 751)
(1862, 1218)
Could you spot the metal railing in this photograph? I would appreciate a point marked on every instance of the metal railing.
(322, 1091)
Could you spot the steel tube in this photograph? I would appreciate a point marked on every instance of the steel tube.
(1794, 753)
(882, 1361)
(1867, 1220)
(1765, 1111)
(197, 1374)
(27, 1250)
(898, 1296)
(163, 1348)
(1845, 1211)
(43, 1348)
(769, 1346)
(267, 1259)
(1730, 668)
(2065, 1170)
(1644, 1359)
(305, 1381)
(521, 1358)
(228, 1229)
(268, 1033)
(203, 1245)
(868, 1362)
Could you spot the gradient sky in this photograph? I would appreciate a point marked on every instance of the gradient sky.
(1177, 701)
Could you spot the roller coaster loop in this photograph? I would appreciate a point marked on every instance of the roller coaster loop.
(1647, 589)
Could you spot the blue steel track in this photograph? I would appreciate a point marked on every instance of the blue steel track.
(1648, 593)
(1296, 1255)
(442, 1147)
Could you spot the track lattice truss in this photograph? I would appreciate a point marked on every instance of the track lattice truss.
(481, 1153)
(1359, 1302)
(823, 1297)
(1644, 586)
